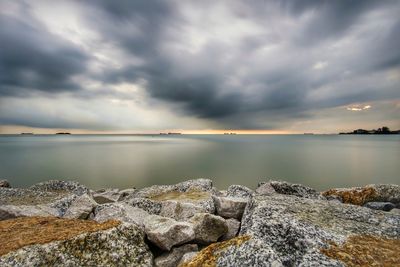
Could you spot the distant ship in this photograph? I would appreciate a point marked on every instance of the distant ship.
(27, 133)
(63, 133)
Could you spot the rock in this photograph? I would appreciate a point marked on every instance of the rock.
(368, 193)
(125, 194)
(106, 196)
(395, 211)
(152, 207)
(208, 228)
(14, 211)
(4, 183)
(39, 241)
(180, 211)
(166, 232)
(313, 232)
(172, 258)
(120, 211)
(188, 256)
(80, 207)
(385, 206)
(239, 191)
(233, 229)
(265, 189)
(289, 189)
(230, 207)
(61, 186)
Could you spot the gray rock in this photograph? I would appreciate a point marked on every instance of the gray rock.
(14, 211)
(180, 211)
(289, 189)
(4, 183)
(152, 207)
(172, 258)
(119, 246)
(233, 229)
(120, 211)
(63, 186)
(166, 232)
(230, 207)
(395, 211)
(239, 191)
(297, 229)
(265, 189)
(126, 194)
(385, 206)
(106, 196)
(80, 207)
(188, 256)
(208, 227)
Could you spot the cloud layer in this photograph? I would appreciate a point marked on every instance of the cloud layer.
(201, 64)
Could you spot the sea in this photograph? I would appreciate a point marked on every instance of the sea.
(126, 161)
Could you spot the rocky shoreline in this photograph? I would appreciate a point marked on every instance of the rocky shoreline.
(192, 223)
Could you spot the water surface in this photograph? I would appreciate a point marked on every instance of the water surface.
(320, 161)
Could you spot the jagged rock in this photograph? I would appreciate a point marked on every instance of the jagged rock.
(39, 241)
(230, 207)
(14, 211)
(186, 258)
(395, 211)
(4, 183)
(289, 189)
(80, 207)
(152, 207)
(180, 211)
(385, 206)
(239, 191)
(61, 186)
(208, 228)
(106, 196)
(120, 211)
(166, 232)
(306, 232)
(368, 193)
(172, 258)
(233, 229)
(265, 189)
(126, 193)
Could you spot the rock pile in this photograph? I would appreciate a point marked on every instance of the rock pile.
(194, 224)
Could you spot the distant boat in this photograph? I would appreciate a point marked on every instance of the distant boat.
(27, 133)
(63, 133)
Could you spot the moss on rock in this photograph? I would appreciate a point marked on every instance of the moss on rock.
(356, 196)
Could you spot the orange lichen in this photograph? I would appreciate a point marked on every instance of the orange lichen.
(176, 195)
(354, 196)
(366, 251)
(208, 256)
(24, 231)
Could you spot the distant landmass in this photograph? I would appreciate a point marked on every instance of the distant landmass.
(383, 130)
(63, 133)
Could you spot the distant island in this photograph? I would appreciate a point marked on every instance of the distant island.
(63, 133)
(383, 130)
(170, 133)
(27, 133)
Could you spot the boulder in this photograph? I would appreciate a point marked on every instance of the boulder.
(313, 232)
(208, 227)
(180, 211)
(395, 211)
(14, 211)
(125, 194)
(239, 191)
(106, 196)
(385, 206)
(120, 211)
(152, 207)
(286, 188)
(41, 241)
(80, 207)
(61, 186)
(233, 229)
(172, 258)
(4, 183)
(166, 232)
(188, 256)
(230, 207)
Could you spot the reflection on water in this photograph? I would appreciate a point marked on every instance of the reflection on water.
(321, 161)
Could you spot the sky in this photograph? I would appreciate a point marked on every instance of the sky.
(199, 66)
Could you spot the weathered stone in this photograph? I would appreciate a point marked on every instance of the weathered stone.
(80, 207)
(299, 229)
(152, 207)
(14, 211)
(230, 207)
(233, 229)
(395, 211)
(120, 211)
(239, 191)
(166, 232)
(62, 186)
(106, 196)
(208, 228)
(385, 206)
(368, 193)
(186, 258)
(64, 242)
(172, 258)
(180, 211)
(286, 188)
(125, 194)
(4, 183)
(265, 189)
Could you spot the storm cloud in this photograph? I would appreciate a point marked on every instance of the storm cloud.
(226, 64)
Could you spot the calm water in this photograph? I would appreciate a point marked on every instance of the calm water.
(320, 161)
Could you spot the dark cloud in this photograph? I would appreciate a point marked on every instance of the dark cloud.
(31, 58)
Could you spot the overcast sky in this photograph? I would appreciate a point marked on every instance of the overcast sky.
(199, 66)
